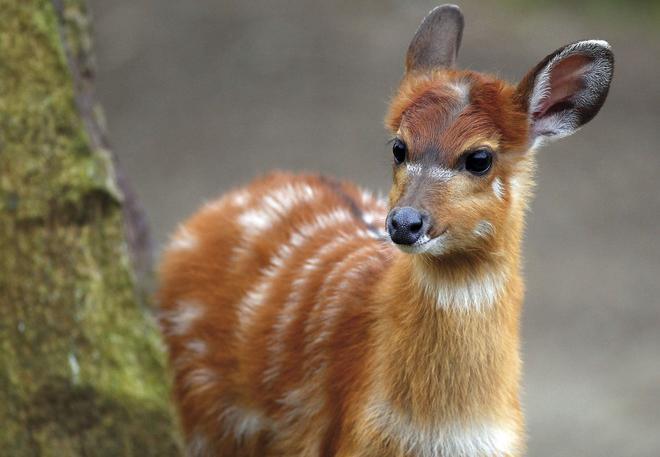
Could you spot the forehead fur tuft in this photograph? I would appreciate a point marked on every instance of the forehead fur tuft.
(487, 106)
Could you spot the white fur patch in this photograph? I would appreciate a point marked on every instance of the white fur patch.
(462, 90)
(183, 240)
(426, 245)
(498, 188)
(414, 169)
(274, 206)
(475, 293)
(179, 320)
(196, 347)
(241, 422)
(450, 440)
(433, 171)
(288, 312)
(254, 299)
(200, 379)
(240, 198)
(250, 305)
(256, 220)
(483, 229)
(440, 173)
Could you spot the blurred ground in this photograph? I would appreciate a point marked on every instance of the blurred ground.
(203, 95)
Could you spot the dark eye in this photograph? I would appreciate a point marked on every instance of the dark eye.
(399, 150)
(479, 162)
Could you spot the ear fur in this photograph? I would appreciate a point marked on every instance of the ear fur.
(437, 40)
(567, 88)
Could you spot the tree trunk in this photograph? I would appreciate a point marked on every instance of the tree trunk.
(81, 365)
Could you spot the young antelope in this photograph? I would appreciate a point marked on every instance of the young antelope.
(306, 318)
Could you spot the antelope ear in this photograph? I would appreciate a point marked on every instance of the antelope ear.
(437, 40)
(567, 88)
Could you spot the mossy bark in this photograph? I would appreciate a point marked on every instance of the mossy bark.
(81, 366)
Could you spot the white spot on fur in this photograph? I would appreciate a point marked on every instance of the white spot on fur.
(183, 240)
(483, 229)
(273, 207)
(242, 422)
(498, 188)
(462, 90)
(179, 320)
(433, 171)
(440, 173)
(255, 220)
(240, 198)
(250, 305)
(197, 347)
(455, 440)
(414, 169)
(200, 379)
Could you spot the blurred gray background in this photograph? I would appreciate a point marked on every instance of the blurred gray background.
(203, 95)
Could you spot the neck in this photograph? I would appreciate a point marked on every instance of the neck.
(449, 338)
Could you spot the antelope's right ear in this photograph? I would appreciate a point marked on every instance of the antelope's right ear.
(566, 89)
(436, 43)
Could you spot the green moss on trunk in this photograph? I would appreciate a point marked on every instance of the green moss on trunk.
(81, 365)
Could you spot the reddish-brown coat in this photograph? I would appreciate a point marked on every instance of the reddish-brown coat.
(265, 387)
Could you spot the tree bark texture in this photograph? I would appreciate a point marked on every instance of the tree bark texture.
(81, 365)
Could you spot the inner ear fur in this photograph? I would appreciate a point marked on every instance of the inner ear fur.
(437, 40)
(567, 88)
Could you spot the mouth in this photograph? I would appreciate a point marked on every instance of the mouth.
(426, 245)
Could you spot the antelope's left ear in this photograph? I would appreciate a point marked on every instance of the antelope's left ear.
(566, 89)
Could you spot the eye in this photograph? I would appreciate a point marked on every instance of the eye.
(399, 150)
(479, 162)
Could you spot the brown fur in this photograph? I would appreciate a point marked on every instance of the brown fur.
(347, 350)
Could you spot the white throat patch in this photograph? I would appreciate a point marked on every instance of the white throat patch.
(478, 292)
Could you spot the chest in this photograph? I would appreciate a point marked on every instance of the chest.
(401, 436)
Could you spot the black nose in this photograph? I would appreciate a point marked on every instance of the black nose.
(406, 225)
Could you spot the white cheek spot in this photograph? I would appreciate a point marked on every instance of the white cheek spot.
(183, 240)
(179, 320)
(483, 229)
(498, 188)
